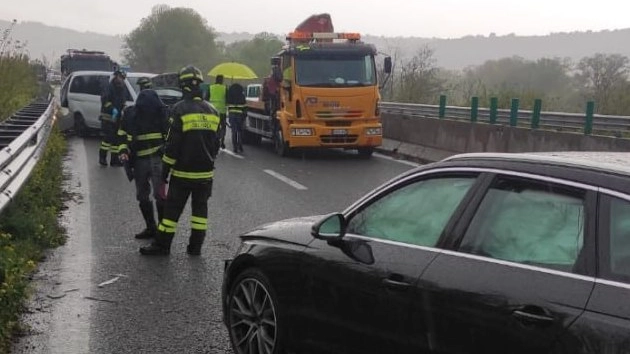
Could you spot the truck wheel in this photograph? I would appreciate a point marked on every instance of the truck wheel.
(281, 146)
(366, 152)
(80, 129)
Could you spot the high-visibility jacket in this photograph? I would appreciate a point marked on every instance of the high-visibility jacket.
(218, 93)
(143, 127)
(192, 142)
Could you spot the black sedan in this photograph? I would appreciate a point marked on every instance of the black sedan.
(479, 253)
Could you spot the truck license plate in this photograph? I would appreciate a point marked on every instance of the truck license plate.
(339, 132)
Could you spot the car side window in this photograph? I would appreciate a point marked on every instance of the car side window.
(528, 222)
(619, 240)
(94, 85)
(415, 214)
(78, 85)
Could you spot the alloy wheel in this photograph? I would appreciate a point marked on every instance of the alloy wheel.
(253, 321)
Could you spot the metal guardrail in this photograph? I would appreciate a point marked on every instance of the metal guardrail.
(23, 138)
(614, 125)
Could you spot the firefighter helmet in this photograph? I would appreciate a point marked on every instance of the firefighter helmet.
(190, 75)
(144, 83)
(120, 73)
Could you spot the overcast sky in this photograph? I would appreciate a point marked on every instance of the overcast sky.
(419, 18)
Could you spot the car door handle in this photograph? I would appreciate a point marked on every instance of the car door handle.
(524, 315)
(396, 284)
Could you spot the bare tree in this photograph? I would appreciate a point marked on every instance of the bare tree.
(601, 74)
(418, 80)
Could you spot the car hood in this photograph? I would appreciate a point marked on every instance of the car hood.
(296, 231)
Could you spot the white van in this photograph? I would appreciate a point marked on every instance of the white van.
(81, 94)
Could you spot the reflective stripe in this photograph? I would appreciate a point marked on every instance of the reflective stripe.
(170, 230)
(107, 104)
(122, 132)
(200, 227)
(168, 160)
(168, 222)
(104, 144)
(200, 121)
(199, 220)
(147, 152)
(123, 147)
(198, 223)
(192, 175)
(149, 136)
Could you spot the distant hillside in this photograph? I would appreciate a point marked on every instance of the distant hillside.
(458, 53)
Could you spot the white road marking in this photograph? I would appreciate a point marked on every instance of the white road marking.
(232, 153)
(286, 180)
(404, 162)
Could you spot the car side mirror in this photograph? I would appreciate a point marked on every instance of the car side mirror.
(332, 227)
(387, 65)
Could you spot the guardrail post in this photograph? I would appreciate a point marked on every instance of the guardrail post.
(588, 124)
(474, 109)
(536, 113)
(494, 106)
(442, 111)
(514, 112)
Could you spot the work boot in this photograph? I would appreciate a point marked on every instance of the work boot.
(195, 242)
(102, 157)
(149, 218)
(161, 246)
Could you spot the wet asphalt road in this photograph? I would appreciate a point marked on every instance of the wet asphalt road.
(171, 304)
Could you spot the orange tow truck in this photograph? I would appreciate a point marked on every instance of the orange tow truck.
(323, 92)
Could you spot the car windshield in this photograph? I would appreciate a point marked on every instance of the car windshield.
(335, 71)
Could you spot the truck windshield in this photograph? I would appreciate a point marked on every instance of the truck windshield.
(335, 71)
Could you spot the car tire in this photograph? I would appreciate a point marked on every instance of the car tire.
(80, 129)
(253, 317)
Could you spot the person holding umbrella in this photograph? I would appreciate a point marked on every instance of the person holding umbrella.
(218, 94)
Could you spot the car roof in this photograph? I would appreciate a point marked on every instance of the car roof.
(616, 162)
(92, 72)
(138, 74)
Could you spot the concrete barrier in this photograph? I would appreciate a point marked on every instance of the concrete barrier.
(432, 139)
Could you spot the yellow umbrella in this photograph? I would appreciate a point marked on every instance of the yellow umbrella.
(233, 70)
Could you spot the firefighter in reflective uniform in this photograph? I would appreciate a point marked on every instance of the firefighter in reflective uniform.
(112, 103)
(218, 94)
(236, 114)
(192, 145)
(141, 134)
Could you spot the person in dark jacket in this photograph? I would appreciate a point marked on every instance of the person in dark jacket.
(112, 104)
(236, 114)
(192, 145)
(142, 132)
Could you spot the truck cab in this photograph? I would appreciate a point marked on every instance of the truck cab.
(327, 96)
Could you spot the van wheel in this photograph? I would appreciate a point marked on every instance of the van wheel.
(80, 129)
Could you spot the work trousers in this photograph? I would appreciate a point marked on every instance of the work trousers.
(178, 192)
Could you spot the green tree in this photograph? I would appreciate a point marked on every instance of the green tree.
(169, 39)
(255, 53)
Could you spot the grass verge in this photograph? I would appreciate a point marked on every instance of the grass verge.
(28, 226)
